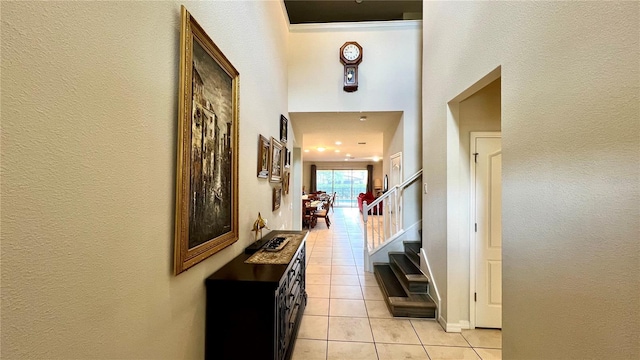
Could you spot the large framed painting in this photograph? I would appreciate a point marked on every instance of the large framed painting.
(276, 166)
(207, 155)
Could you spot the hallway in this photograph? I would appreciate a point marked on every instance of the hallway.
(347, 318)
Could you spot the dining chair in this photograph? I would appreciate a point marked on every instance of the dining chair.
(308, 216)
(324, 213)
(333, 200)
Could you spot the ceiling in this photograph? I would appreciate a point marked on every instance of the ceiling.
(362, 140)
(325, 11)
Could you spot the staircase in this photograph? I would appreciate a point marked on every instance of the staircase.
(403, 285)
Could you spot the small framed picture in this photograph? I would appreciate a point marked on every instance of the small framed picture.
(263, 157)
(285, 183)
(283, 128)
(287, 157)
(277, 198)
(276, 166)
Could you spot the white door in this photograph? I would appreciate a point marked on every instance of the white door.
(396, 179)
(487, 151)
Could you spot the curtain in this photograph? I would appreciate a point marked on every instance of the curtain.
(313, 185)
(370, 179)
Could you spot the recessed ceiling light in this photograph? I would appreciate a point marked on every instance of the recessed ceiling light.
(306, 150)
(348, 155)
(337, 151)
(321, 149)
(346, 159)
(338, 142)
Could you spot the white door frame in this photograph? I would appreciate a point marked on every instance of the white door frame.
(391, 159)
(472, 221)
(396, 157)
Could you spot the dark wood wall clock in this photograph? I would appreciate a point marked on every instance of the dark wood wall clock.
(351, 57)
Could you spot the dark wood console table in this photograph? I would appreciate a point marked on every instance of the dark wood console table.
(254, 310)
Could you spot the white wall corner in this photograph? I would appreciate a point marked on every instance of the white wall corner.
(442, 321)
(452, 327)
(456, 327)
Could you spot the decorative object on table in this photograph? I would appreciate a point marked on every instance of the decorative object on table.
(207, 155)
(277, 198)
(266, 256)
(283, 128)
(258, 225)
(263, 157)
(275, 165)
(350, 57)
(276, 244)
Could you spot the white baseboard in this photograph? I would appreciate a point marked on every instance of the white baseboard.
(453, 327)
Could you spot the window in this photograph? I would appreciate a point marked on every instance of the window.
(347, 184)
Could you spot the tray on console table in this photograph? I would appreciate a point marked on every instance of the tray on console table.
(254, 310)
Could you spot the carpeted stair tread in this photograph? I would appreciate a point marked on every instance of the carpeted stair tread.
(414, 300)
(414, 258)
(412, 250)
(398, 301)
(412, 279)
(388, 281)
(408, 307)
(414, 246)
(407, 267)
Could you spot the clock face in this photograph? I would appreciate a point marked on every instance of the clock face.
(351, 52)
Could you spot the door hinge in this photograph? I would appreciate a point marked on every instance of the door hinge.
(475, 157)
(476, 227)
(475, 297)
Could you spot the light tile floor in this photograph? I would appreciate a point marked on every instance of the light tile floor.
(346, 317)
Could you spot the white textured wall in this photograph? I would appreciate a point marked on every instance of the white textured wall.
(387, 81)
(89, 121)
(570, 127)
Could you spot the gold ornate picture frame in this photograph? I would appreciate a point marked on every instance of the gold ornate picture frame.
(285, 183)
(277, 198)
(263, 157)
(276, 166)
(207, 154)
